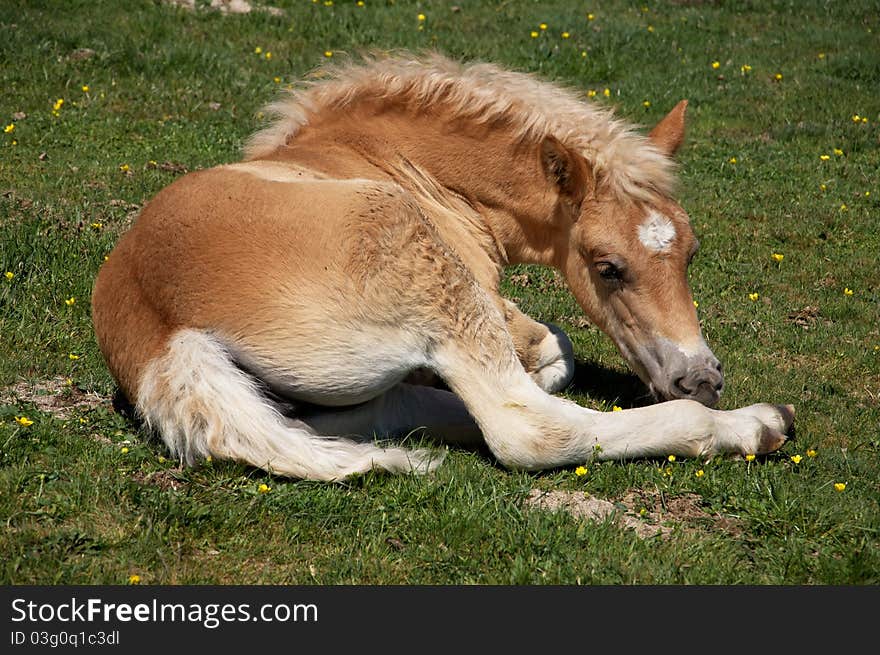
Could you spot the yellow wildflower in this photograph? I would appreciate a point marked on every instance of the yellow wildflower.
(811, 452)
(161, 459)
(277, 80)
(753, 296)
(580, 470)
(591, 93)
(97, 226)
(732, 160)
(745, 68)
(264, 488)
(421, 18)
(125, 168)
(856, 118)
(583, 53)
(823, 187)
(838, 152)
(796, 459)
(70, 301)
(646, 103)
(58, 104)
(843, 207)
(591, 17)
(565, 35)
(258, 50)
(72, 356)
(268, 55)
(9, 128)
(821, 55)
(124, 450)
(700, 473)
(543, 26)
(778, 77)
(824, 157)
(777, 256)
(615, 408)
(650, 28)
(360, 3)
(847, 291)
(134, 578)
(9, 275)
(750, 457)
(607, 93)
(85, 88)
(671, 458)
(696, 304)
(716, 65)
(839, 486)
(533, 34)
(643, 511)
(24, 421)
(328, 53)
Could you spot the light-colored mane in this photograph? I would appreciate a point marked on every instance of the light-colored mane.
(624, 160)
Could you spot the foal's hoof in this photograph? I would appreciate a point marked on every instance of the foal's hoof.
(778, 429)
(773, 438)
(555, 366)
(774, 426)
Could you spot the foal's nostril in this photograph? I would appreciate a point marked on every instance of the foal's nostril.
(679, 385)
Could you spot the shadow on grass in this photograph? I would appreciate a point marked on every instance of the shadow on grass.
(609, 385)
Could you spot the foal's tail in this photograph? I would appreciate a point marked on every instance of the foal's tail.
(203, 405)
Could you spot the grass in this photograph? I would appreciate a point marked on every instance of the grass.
(88, 498)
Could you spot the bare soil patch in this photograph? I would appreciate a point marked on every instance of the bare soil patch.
(649, 514)
(55, 396)
(227, 7)
(166, 479)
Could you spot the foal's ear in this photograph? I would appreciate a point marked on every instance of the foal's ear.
(564, 168)
(668, 134)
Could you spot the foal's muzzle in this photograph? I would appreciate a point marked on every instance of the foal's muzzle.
(702, 381)
(690, 375)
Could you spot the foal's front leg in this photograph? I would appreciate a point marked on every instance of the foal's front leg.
(528, 428)
(544, 350)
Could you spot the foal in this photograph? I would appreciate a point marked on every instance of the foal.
(274, 311)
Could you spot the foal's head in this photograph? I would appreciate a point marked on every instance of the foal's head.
(626, 262)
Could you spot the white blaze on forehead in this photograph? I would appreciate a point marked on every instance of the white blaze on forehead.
(657, 232)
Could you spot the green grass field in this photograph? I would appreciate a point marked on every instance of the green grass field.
(104, 103)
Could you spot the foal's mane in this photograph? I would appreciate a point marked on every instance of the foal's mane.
(623, 160)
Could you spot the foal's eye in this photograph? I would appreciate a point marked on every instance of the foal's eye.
(610, 272)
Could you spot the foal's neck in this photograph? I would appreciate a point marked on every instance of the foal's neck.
(494, 181)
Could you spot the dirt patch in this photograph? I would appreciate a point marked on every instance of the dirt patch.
(806, 317)
(166, 479)
(648, 514)
(226, 7)
(55, 396)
